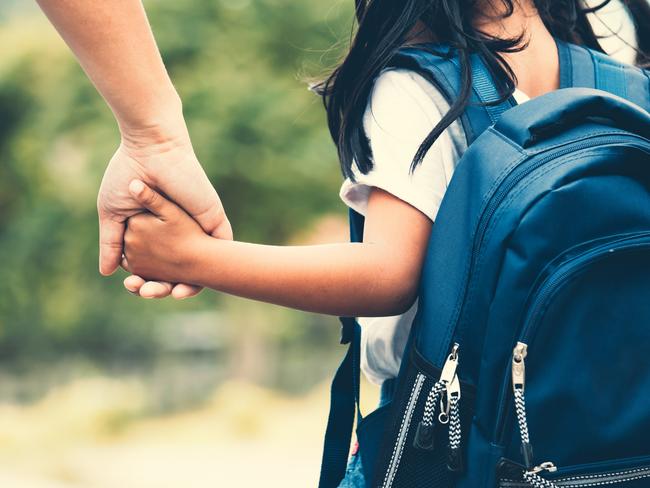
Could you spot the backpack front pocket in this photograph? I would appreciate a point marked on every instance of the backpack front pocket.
(579, 381)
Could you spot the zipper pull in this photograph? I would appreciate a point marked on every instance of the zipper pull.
(449, 369)
(531, 475)
(518, 386)
(424, 435)
(519, 366)
(547, 466)
(455, 458)
(510, 470)
(447, 378)
(533, 478)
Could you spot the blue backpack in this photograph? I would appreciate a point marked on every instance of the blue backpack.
(533, 326)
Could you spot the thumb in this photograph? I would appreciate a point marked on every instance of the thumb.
(111, 234)
(151, 199)
(223, 230)
(214, 220)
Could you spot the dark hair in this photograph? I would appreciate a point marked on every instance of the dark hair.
(384, 26)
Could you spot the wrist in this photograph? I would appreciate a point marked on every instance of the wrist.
(163, 126)
(198, 264)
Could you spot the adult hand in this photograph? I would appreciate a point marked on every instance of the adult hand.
(164, 243)
(168, 164)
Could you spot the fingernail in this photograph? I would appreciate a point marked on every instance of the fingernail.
(136, 187)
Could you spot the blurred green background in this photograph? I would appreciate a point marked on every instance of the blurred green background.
(101, 389)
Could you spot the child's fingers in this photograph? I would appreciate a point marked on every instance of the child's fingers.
(133, 283)
(151, 199)
(182, 290)
(155, 289)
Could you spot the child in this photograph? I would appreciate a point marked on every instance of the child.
(398, 142)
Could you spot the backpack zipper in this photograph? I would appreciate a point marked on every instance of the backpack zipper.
(542, 296)
(398, 448)
(455, 455)
(516, 175)
(531, 472)
(447, 378)
(618, 477)
(424, 433)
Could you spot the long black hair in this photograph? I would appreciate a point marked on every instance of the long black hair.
(384, 26)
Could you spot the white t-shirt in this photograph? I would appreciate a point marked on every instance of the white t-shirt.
(402, 110)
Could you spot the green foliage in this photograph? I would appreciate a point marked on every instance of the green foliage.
(260, 134)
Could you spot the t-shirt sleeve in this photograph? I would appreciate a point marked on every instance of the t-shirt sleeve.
(402, 110)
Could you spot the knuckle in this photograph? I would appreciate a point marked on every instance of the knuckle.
(110, 244)
(151, 198)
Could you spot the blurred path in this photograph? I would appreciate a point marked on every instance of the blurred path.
(93, 434)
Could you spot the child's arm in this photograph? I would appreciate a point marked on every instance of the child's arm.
(375, 278)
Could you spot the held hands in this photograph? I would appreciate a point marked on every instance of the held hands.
(169, 164)
(164, 242)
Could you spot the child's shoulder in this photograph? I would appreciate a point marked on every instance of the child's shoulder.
(403, 94)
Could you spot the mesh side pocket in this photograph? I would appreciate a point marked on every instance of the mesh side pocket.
(403, 465)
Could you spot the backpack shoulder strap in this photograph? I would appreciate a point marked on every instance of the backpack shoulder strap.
(344, 405)
(585, 68)
(579, 67)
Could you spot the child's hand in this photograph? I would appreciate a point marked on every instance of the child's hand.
(162, 244)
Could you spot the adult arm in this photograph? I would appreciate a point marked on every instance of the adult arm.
(115, 46)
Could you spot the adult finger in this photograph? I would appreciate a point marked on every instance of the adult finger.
(111, 235)
(151, 199)
(155, 289)
(223, 230)
(181, 291)
(215, 222)
(186, 184)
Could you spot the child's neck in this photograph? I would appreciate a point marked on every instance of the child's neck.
(537, 65)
